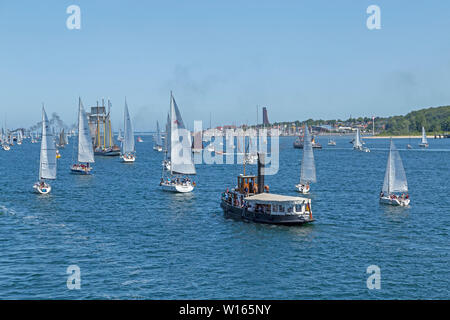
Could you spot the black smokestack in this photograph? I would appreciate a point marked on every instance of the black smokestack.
(261, 165)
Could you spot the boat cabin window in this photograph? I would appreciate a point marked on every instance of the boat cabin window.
(281, 208)
(298, 208)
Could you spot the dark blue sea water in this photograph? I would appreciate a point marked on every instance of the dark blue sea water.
(132, 241)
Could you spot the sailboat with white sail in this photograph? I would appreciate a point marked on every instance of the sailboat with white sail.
(85, 150)
(424, 142)
(119, 136)
(308, 169)
(357, 142)
(166, 161)
(395, 185)
(179, 154)
(158, 140)
(128, 152)
(47, 161)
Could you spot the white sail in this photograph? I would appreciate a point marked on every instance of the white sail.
(47, 165)
(357, 141)
(128, 139)
(167, 140)
(308, 170)
(158, 135)
(180, 143)
(85, 148)
(395, 176)
(424, 136)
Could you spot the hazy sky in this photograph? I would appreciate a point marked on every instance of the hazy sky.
(301, 59)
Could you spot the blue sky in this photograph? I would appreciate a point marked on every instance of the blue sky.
(301, 59)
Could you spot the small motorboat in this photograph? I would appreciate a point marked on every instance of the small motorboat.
(139, 139)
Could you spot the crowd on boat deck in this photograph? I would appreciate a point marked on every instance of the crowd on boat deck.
(393, 196)
(179, 181)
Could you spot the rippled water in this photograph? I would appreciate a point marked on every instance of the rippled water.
(132, 241)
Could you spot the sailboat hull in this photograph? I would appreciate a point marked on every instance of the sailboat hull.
(128, 158)
(423, 145)
(42, 189)
(302, 189)
(395, 201)
(179, 188)
(80, 170)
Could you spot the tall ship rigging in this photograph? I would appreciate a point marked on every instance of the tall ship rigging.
(100, 125)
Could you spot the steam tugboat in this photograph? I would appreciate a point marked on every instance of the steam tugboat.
(251, 201)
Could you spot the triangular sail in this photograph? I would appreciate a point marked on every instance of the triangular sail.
(395, 176)
(308, 169)
(180, 143)
(424, 136)
(158, 135)
(357, 141)
(47, 165)
(167, 140)
(128, 139)
(85, 149)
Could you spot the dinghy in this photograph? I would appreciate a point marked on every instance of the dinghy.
(395, 186)
(308, 168)
(179, 154)
(47, 161)
(85, 151)
(424, 142)
(128, 152)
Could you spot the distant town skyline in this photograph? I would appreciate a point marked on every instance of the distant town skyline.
(301, 60)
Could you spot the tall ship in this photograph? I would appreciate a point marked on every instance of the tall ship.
(251, 201)
(101, 130)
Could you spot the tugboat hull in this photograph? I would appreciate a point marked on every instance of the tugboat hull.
(244, 215)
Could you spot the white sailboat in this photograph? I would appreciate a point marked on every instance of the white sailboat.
(179, 154)
(119, 136)
(166, 161)
(357, 142)
(158, 140)
(424, 142)
(308, 169)
(394, 180)
(85, 151)
(128, 152)
(47, 162)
